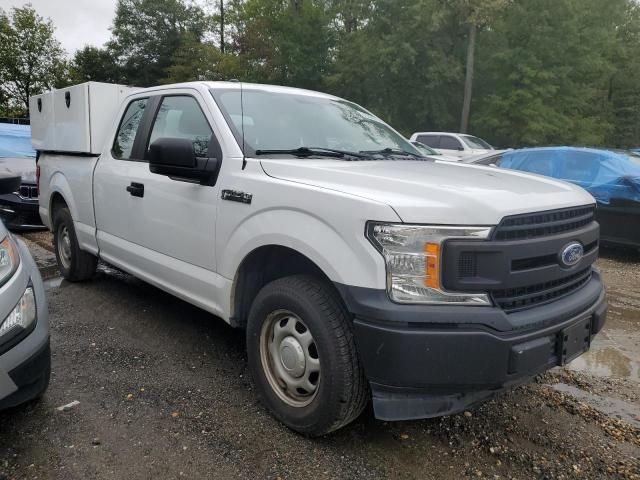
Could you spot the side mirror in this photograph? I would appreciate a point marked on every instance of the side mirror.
(171, 153)
(9, 183)
(461, 149)
(176, 158)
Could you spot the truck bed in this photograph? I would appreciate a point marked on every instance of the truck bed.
(71, 176)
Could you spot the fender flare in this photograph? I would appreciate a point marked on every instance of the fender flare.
(344, 258)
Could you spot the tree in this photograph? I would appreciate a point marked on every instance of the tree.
(196, 60)
(95, 64)
(31, 59)
(410, 76)
(624, 88)
(350, 15)
(222, 27)
(283, 41)
(478, 14)
(544, 73)
(147, 34)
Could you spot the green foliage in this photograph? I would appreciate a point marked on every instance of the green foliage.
(283, 41)
(624, 88)
(148, 33)
(196, 60)
(31, 59)
(404, 63)
(93, 64)
(540, 71)
(545, 72)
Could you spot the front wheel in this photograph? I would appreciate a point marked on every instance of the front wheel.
(74, 264)
(302, 356)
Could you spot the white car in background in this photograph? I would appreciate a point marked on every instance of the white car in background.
(430, 152)
(454, 144)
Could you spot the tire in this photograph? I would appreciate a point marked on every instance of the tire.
(75, 265)
(310, 307)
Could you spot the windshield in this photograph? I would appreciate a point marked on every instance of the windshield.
(15, 141)
(475, 142)
(290, 121)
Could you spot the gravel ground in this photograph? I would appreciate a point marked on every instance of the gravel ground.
(164, 393)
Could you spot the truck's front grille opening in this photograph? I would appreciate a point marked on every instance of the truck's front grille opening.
(514, 299)
(553, 222)
(544, 260)
(28, 191)
(534, 262)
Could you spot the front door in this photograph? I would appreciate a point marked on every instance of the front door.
(451, 146)
(159, 229)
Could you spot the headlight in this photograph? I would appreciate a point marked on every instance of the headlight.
(9, 258)
(23, 315)
(412, 254)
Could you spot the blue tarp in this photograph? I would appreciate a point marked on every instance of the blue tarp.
(604, 174)
(15, 141)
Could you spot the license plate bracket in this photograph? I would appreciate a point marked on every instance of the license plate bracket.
(575, 340)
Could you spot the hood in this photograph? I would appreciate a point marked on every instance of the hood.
(25, 167)
(435, 192)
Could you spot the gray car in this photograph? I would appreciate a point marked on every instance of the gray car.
(25, 356)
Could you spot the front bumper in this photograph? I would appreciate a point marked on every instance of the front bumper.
(18, 213)
(425, 362)
(24, 366)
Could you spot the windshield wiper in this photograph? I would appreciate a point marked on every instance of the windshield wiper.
(310, 151)
(390, 151)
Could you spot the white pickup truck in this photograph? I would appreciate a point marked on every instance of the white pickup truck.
(359, 268)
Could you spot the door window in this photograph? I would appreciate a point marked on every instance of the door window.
(429, 140)
(450, 143)
(181, 117)
(123, 144)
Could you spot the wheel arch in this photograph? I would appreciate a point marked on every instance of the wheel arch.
(56, 201)
(60, 195)
(262, 266)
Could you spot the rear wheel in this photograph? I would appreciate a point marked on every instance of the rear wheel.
(74, 264)
(302, 356)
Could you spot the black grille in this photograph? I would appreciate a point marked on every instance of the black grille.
(553, 222)
(28, 191)
(513, 299)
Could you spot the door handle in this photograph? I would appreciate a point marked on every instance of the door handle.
(136, 189)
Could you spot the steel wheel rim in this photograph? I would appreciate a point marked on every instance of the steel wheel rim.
(289, 358)
(64, 247)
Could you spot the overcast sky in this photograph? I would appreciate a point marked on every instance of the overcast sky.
(78, 22)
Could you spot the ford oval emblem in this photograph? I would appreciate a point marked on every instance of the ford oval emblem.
(571, 254)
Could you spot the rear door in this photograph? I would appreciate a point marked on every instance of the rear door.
(160, 229)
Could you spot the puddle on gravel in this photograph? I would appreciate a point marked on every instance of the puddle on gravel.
(615, 352)
(613, 407)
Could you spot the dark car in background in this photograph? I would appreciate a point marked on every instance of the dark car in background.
(611, 176)
(19, 210)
